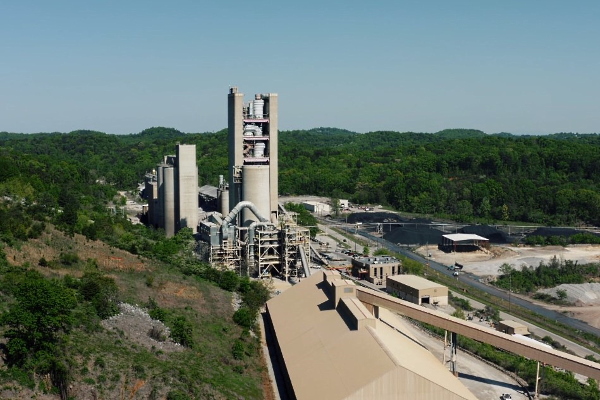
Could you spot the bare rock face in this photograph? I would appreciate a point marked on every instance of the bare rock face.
(140, 328)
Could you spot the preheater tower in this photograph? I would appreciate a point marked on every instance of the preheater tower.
(253, 165)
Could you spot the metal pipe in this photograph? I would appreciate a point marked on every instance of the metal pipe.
(239, 207)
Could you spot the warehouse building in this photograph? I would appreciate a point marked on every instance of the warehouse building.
(417, 290)
(329, 346)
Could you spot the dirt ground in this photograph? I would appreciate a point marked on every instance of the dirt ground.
(487, 263)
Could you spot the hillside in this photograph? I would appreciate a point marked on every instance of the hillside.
(130, 355)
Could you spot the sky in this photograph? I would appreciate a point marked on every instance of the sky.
(525, 67)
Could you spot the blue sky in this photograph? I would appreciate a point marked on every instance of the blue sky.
(123, 66)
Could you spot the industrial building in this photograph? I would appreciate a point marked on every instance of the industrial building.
(251, 233)
(330, 346)
(172, 192)
(317, 207)
(458, 242)
(417, 290)
(375, 269)
(512, 328)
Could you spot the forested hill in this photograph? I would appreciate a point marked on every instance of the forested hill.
(464, 173)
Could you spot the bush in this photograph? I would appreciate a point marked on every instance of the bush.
(244, 317)
(177, 395)
(238, 349)
(181, 331)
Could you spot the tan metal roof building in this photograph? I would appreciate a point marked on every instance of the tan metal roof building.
(417, 290)
(331, 347)
(512, 327)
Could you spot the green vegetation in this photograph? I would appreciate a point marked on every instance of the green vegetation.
(553, 382)
(69, 181)
(303, 217)
(545, 275)
(409, 266)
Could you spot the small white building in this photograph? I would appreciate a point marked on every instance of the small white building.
(317, 208)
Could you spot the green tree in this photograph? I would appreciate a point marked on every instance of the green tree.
(35, 322)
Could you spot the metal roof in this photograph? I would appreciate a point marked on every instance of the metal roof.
(415, 282)
(325, 359)
(208, 190)
(459, 237)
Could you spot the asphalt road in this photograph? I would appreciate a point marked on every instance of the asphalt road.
(473, 281)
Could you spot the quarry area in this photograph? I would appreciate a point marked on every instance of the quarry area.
(584, 298)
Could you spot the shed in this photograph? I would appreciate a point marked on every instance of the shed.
(417, 290)
(512, 327)
(463, 242)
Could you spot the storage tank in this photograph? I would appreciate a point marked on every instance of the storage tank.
(259, 149)
(255, 188)
(258, 105)
(169, 206)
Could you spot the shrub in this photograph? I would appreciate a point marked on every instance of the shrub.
(181, 331)
(244, 317)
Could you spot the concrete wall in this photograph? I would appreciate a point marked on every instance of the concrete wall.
(272, 109)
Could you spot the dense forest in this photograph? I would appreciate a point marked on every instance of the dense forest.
(464, 174)
(65, 181)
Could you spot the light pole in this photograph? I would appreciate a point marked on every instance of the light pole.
(509, 288)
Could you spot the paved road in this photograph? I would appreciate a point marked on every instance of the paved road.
(473, 280)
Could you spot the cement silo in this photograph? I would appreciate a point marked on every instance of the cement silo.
(169, 200)
(186, 187)
(160, 204)
(255, 189)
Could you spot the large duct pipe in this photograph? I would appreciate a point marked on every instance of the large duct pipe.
(239, 207)
(236, 210)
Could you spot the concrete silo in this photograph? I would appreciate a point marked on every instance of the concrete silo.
(186, 190)
(169, 200)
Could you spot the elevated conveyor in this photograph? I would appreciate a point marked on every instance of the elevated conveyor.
(515, 345)
(304, 261)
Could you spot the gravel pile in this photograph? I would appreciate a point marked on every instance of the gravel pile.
(136, 324)
(492, 234)
(583, 294)
(415, 235)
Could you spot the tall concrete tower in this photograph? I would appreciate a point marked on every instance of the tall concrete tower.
(186, 192)
(253, 154)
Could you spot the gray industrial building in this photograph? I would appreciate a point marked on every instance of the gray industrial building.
(172, 192)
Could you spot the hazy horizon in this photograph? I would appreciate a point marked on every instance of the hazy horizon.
(121, 67)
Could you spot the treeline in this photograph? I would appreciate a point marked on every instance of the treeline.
(464, 174)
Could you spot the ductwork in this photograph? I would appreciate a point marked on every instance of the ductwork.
(239, 207)
(236, 210)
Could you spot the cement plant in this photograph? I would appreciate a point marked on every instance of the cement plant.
(251, 233)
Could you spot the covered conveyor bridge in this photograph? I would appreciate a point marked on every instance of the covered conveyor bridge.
(373, 299)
